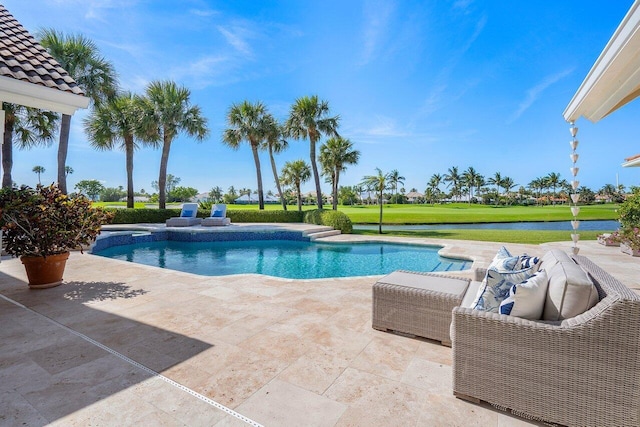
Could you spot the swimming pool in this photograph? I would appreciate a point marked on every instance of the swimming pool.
(285, 258)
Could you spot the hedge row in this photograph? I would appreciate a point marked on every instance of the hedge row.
(145, 216)
(335, 219)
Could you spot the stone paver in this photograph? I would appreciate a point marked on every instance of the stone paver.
(280, 352)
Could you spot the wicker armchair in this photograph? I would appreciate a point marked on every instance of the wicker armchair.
(583, 371)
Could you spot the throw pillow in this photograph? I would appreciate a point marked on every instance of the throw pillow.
(526, 261)
(497, 287)
(526, 299)
(187, 214)
(217, 214)
(503, 261)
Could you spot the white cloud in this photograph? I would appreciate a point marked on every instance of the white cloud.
(535, 92)
(377, 15)
(236, 36)
(204, 12)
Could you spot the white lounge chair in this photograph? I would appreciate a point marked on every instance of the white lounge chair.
(187, 217)
(218, 216)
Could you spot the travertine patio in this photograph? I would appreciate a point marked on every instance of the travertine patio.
(275, 352)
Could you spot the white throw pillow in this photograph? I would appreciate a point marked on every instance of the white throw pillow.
(526, 299)
(496, 288)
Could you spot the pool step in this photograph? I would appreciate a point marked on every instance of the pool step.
(321, 234)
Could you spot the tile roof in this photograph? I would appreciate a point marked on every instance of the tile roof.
(22, 58)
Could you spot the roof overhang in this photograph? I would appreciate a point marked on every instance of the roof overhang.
(632, 162)
(614, 79)
(37, 96)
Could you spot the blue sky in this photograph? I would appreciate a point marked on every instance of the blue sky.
(420, 86)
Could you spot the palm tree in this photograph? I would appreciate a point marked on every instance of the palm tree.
(434, 185)
(309, 118)
(496, 180)
(96, 76)
(249, 122)
(166, 111)
(395, 179)
(470, 178)
(275, 143)
(335, 155)
(27, 127)
(553, 181)
(215, 194)
(68, 170)
(38, 170)
(508, 185)
(113, 125)
(295, 173)
(453, 178)
(536, 185)
(379, 183)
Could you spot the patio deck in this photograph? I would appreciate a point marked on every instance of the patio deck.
(126, 344)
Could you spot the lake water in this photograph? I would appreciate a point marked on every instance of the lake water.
(605, 225)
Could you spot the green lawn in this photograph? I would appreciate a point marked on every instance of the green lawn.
(504, 236)
(465, 213)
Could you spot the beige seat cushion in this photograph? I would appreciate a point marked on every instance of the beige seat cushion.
(570, 292)
(472, 294)
(553, 257)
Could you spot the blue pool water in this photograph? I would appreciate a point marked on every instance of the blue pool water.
(285, 258)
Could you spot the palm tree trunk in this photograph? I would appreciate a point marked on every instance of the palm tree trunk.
(128, 143)
(314, 166)
(299, 196)
(7, 154)
(162, 178)
(256, 160)
(277, 179)
(335, 189)
(380, 223)
(63, 147)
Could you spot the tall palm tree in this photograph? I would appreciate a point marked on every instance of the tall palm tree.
(395, 179)
(379, 183)
(96, 76)
(335, 155)
(553, 181)
(295, 173)
(454, 179)
(27, 127)
(68, 170)
(166, 111)
(38, 170)
(113, 124)
(275, 143)
(470, 178)
(215, 194)
(508, 185)
(309, 118)
(249, 122)
(496, 180)
(434, 185)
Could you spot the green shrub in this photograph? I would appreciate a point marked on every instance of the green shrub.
(629, 210)
(143, 216)
(146, 216)
(263, 216)
(336, 219)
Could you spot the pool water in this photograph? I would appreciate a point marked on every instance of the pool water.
(285, 258)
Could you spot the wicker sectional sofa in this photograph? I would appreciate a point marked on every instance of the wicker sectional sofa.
(579, 371)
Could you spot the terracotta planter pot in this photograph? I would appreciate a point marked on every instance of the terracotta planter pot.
(45, 272)
(627, 250)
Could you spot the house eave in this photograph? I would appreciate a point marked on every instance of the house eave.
(614, 79)
(37, 96)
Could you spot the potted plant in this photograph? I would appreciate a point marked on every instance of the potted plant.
(630, 243)
(42, 225)
(610, 239)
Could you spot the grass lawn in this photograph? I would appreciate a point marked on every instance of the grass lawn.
(465, 213)
(503, 236)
